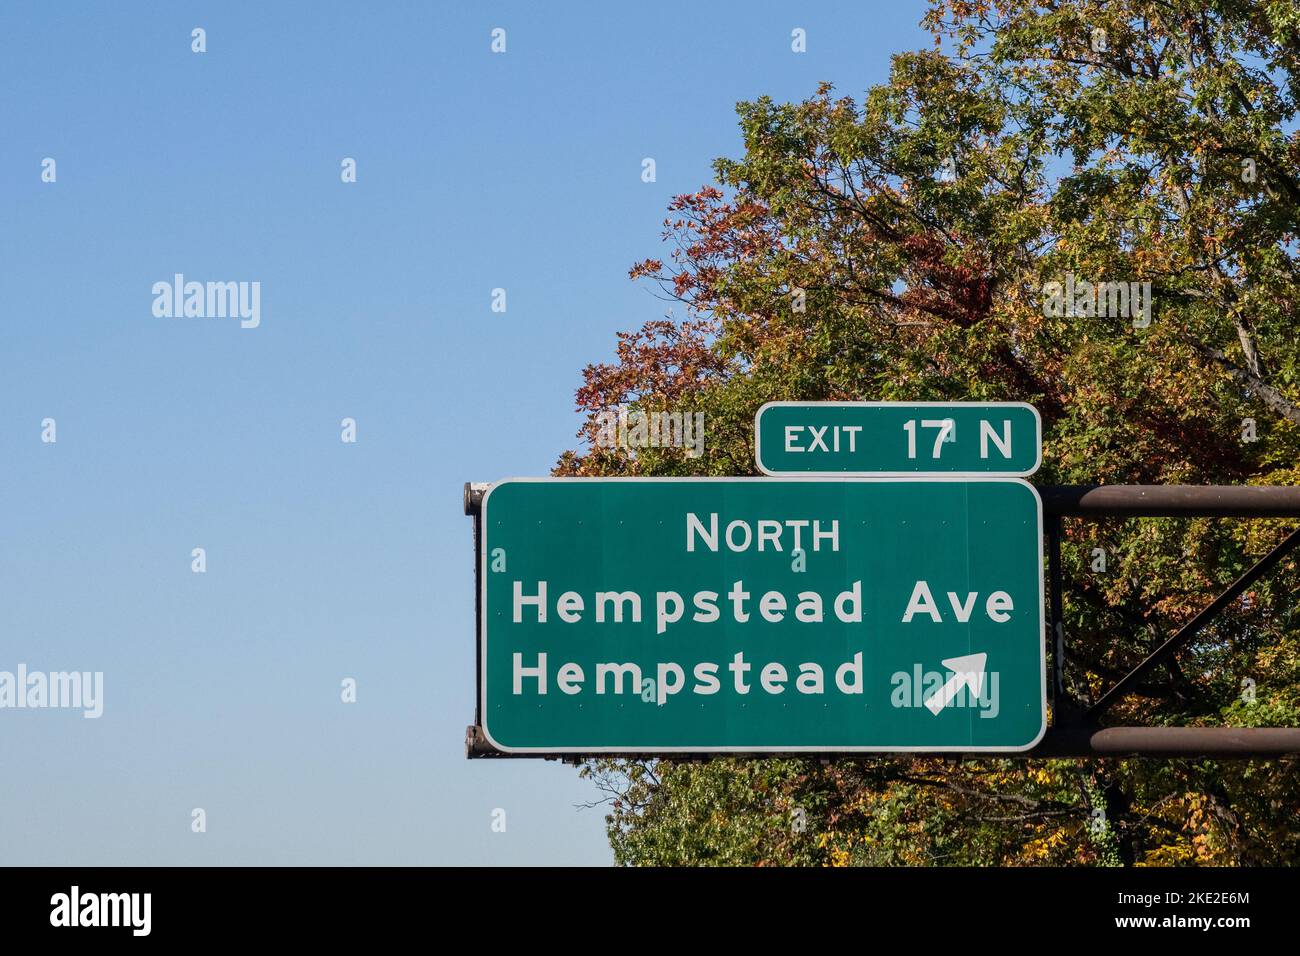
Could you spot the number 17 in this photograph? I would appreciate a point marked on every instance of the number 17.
(944, 425)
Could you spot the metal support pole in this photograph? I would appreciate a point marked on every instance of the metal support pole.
(1131, 501)
(1074, 734)
(473, 500)
(1220, 742)
(1171, 501)
(1058, 742)
(1063, 709)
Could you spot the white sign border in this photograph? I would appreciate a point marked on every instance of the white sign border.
(758, 442)
(754, 749)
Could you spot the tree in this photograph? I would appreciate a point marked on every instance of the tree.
(916, 245)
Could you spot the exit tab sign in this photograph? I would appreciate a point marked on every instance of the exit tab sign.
(897, 439)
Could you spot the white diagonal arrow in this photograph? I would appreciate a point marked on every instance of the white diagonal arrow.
(967, 671)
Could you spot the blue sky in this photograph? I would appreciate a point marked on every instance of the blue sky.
(325, 560)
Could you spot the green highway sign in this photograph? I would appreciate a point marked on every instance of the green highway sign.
(750, 615)
(897, 439)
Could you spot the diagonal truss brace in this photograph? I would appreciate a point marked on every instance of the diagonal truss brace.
(1189, 630)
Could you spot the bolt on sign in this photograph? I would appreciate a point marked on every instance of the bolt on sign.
(761, 615)
(898, 439)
